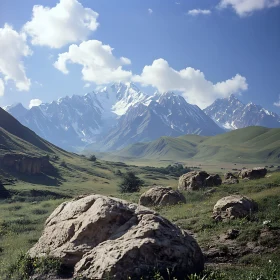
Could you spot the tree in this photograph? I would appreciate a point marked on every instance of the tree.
(130, 183)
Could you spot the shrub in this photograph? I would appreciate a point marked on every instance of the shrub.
(130, 183)
(92, 158)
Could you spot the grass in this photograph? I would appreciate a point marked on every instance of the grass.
(246, 145)
(21, 220)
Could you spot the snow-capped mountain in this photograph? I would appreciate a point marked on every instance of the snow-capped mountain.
(231, 113)
(165, 114)
(113, 117)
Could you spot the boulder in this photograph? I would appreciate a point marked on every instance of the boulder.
(161, 196)
(99, 237)
(255, 173)
(234, 206)
(192, 180)
(213, 180)
(229, 175)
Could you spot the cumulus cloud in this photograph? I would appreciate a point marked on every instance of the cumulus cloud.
(246, 7)
(13, 48)
(2, 87)
(277, 104)
(190, 82)
(34, 102)
(196, 12)
(87, 85)
(67, 22)
(99, 64)
(150, 11)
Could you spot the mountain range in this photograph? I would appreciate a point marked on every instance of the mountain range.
(230, 113)
(120, 114)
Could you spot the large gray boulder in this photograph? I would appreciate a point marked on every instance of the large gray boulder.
(255, 173)
(196, 180)
(107, 238)
(161, 196)
(234, 206)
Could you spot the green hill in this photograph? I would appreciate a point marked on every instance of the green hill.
(246, 145)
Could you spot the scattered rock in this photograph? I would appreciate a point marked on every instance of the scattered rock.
(255, 173)
(101, 237)
(230, 178)
(232, 234)
(161, 196)
(234, 206)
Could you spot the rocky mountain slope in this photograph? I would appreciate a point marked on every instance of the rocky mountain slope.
(114, 117)
(231, 113)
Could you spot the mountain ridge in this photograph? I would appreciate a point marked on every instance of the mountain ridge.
(250, 144)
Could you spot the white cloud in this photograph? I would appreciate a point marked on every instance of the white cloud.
(34, 102)
(67, 22)
(150, 11)
(87, 85)
(99, 64)
(13, 48)
(196, 12)
(246, 7)
(277, 104)
(190, 82)
(2, 87)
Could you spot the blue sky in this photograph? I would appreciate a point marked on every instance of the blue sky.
(204, 49)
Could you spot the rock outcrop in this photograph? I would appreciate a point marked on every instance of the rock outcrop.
(102, 237)
(27, 164)
(161, 196)
(255, 173)
(234, 206)
(196, 180)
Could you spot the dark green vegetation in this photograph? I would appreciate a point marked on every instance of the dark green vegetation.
(246, 145)
(32, 199)
(130, 183)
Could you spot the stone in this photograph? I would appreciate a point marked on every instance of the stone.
(234, 206)
(229, 175)
(161, 196)
(193, 180)
(213, 180)
(255, 173)
(100, 237)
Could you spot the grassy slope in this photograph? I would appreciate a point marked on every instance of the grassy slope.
(247, 145)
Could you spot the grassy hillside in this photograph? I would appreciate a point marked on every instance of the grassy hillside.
(246, 145)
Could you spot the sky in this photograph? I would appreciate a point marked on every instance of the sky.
(202, 49)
